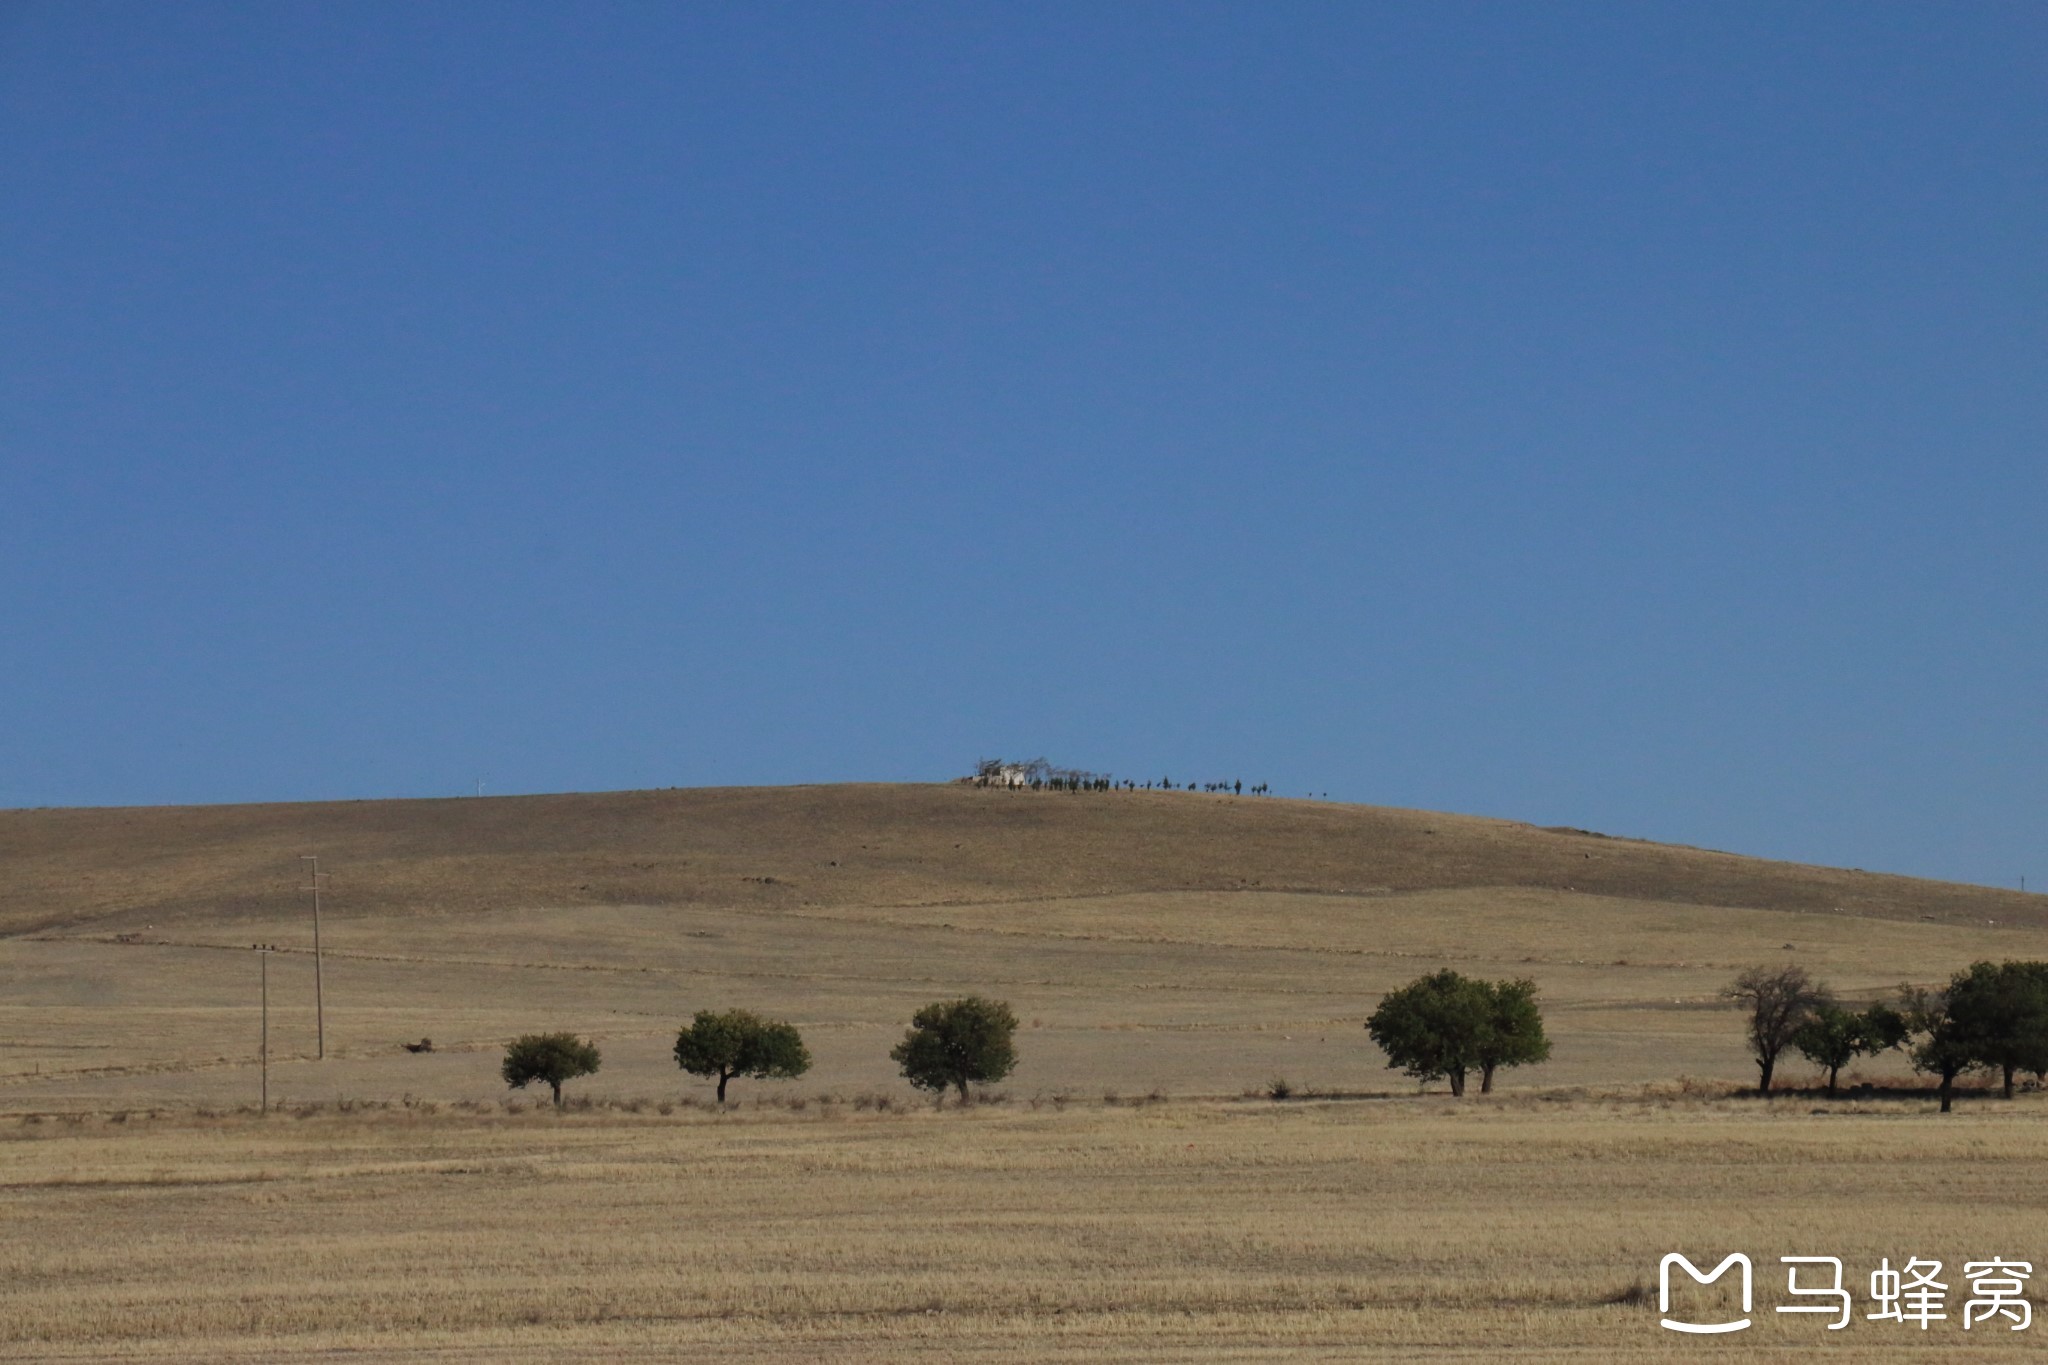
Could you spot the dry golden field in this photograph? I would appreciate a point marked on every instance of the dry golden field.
(1212, 1230)
(1131, 1198)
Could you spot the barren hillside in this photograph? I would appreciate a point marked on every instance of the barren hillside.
(873, 845)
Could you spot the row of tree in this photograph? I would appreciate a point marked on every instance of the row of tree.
(1438, 1027)
(1991, 1016)
(1038, 775)
(950, 1044)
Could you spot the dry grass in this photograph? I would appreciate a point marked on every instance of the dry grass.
(1221, 1230)
(1160, 949)
(796, 847)
(1195, 993)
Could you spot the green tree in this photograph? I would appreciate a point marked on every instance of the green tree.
(550, 1057)
(1884, 1028)
(1514, 1029)
(1946, 1049)
(1998, 1013)
(1833, 1037)
(958, 1043)
(739, 1043)
(1780, 1001)
(1435, 1027)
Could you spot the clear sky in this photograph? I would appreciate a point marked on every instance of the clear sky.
(1627, 416)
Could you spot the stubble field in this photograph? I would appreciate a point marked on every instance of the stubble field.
(1172, 1230)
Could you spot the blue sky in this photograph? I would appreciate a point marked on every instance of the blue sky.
(1628, 416)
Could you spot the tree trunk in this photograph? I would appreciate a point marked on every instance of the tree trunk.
(1947, 1089)
(1486, 1078)
(557, 1085)
(2009, 1069)
(1457, 1077)
(962, 1083)
(1765, 1065)
(722, 1079)
(1833, 1072)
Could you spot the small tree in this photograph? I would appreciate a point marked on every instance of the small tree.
(550, 1057)
(1947, 1050)
(1434, 1027)
(956, 1043)
(739, 1043)
(1834, 1037)
(1780, 1001)
(1514, 1029)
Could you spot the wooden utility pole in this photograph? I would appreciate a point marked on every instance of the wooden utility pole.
(319, 993)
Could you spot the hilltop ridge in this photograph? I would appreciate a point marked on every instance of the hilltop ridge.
(866, 844)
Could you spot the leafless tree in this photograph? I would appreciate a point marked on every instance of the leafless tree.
(1779, 1000)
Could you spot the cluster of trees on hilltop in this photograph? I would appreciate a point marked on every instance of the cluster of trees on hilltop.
(1991, 1016)
(1035, 774)
(950, 1044)
(1038, 775)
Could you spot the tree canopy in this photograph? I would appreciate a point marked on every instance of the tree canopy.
(550, 1057)
(1944, 1048)
(958, 1043)
(1832, 1037)
(740, 1043)
(1445, 1025)
(1996, 1016)
(1513, 1035)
